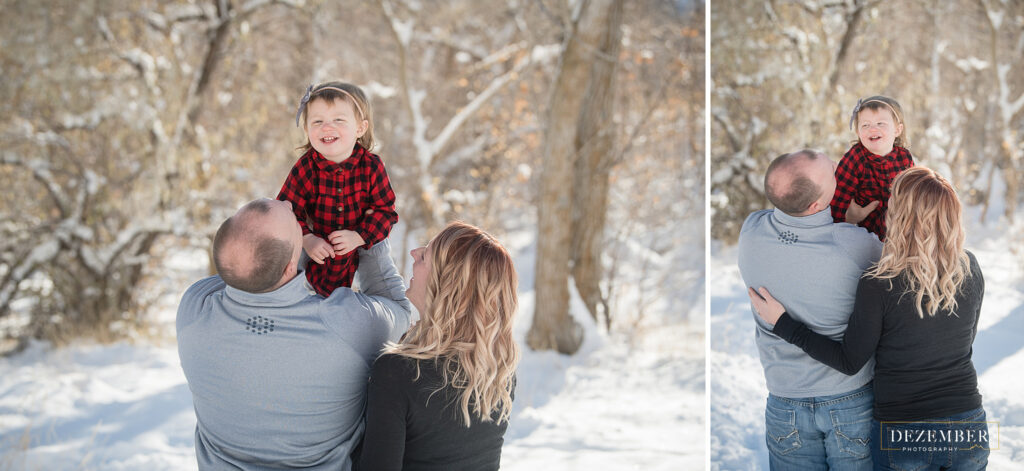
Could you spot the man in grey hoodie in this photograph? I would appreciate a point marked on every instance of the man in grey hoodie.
(816, 418)
(278, 374)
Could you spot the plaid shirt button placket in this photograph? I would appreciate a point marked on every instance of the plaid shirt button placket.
(864, 177)
(338, 197)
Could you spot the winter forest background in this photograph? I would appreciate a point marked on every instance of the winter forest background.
(573, 130)
(785, 75)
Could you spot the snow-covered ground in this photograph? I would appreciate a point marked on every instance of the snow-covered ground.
(633, 399)
(737, 381)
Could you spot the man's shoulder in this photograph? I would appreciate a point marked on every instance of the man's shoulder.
(346, 305)
(852, 230)
(203, 288)
(846, 233)
(195, 297)
(755, 218)
(859, 244)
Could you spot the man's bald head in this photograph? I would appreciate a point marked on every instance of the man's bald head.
(249, 251)
(795, 181)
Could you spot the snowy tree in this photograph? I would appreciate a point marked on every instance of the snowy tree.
(132, 129)
(109, 135)
(786, 76)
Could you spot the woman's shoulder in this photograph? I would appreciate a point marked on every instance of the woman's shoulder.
(974, 268)
(392, 361)
(870, 282)
(398, 364)
(408, 374)
(391, 369)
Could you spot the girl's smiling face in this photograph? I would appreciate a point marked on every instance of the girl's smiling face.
(877, 130)
(333, 128)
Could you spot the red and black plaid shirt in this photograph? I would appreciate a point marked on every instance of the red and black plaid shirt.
(865, 177)
(328, 197)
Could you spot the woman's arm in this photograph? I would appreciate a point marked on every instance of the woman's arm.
(859, 341)
(386, 408)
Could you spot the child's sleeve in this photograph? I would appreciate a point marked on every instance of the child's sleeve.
(298, 189)
(377, 224)
(846, 186)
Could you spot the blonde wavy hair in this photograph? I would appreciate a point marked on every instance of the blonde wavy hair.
(467, 327)
(925, 240)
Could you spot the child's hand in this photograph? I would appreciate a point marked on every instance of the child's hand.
(856, 213)
(317, 248)
(765, 305)
(345, 241)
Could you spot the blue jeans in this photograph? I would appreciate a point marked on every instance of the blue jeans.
(820, 433)
(957, 442)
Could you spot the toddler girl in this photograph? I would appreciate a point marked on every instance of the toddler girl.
(339, 191)
(865, 173)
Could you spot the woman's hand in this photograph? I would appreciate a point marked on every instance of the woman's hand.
(765, 305)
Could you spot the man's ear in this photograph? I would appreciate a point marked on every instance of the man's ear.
(291, 269)
(814, 207)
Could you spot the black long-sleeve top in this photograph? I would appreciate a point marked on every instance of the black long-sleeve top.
(923, 367)
(410, 425)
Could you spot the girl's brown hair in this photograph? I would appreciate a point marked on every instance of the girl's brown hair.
(876, 103)
(346, 92)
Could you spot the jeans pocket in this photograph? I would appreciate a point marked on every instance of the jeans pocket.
(853, 430)
(780, 429)
(902, 451)
(977, 451)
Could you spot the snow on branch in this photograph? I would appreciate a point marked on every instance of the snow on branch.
(467, 111)
(995, 17)
(183, 12)
(88, 120)
(124, 249)
(24, 129)
(500, 56)
(433, 148)
(24, 268)
(1008, 108)
(252, 6)
(41, 172)
(722, 117)
(403, 29)
(143, 62)
(466, 48)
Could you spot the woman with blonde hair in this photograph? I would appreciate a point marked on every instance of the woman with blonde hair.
(441, 398)
(917, 313)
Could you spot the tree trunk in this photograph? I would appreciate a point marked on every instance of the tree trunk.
(553, 326)
(595, 144)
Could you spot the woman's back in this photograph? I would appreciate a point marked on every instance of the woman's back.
(923, 365)
(420, 427)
